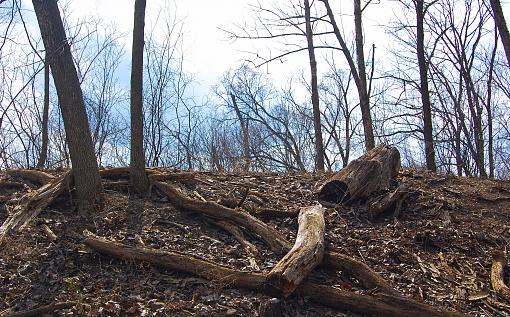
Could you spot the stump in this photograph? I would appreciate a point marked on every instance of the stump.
(370, 173)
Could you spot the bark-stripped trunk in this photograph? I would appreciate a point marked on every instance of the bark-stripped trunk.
(70, 97)
(138, 178)
(319, 146)
(424, 87)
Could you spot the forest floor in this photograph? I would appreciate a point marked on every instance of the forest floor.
(438, 251)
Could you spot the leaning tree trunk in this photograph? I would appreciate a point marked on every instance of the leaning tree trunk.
(138, 178)
(319, 146)
(70, 97)
(499, 18)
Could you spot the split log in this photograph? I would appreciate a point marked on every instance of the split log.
(272, 237)
(305, 255)
(33, 203)
(376, 305)
(219, 212)
(497, 280)
(392, 199)
(362, 177)
(42, 310)
(40, 177)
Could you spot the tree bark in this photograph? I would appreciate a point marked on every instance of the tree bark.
(377, 305)
(497, 280)
(138, 178)
(319, 144)
(305, 255)
(368, 174)
(499, 18)
(424, 86)
(45, 118)
(70, 97)
(364, 98)
(244, 131)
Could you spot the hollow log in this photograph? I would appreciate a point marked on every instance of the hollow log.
(305, 255)
(376, 305)
(40, 177)
(219, 212)
(33, 203)
(362, 177)
(497, 280)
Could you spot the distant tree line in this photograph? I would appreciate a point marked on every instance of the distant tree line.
(442, 95)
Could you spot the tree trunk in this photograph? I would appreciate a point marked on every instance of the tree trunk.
(46, 109)
(364, 98)
(499, 18)
(70, 97)
(138, 178)
(305, 255)
(244, 131)
(424, 87)
(362, 177)
(319, 146)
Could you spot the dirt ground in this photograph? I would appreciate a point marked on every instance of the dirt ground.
(439, 249)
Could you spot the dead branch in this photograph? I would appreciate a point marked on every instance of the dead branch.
(497, 280)
(33, 203)
(377, 305)
(305, 255)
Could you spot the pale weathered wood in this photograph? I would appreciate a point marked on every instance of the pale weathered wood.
(376, 305)
(219, 212)
(305, 255)
(33, 203)
(497, 280)
(370, 173)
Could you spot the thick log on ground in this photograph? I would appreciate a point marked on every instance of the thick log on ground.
(362, 177)
(123, 172)
(497, 280)
(32, 175)
(33, 203)
(305, 255)
(219, 212)
(377, 305)
(272, 237)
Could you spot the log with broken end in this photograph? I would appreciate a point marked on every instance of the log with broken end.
(272, 237)
(40, 177)
(376, 305)
(497, 280)
(34, 203)
(305, 255)
(362, 177)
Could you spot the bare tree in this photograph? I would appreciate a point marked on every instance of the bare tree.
(138, 178)
(86, 172)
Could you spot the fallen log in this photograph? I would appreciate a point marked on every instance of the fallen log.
(362, 177)
(305, 255)
(11, 185)
(375, 305)
(272, 237)
(40, 177)
(123, 172)
(33, 203)
(497, 280)
(219, 212)
(392, 199)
